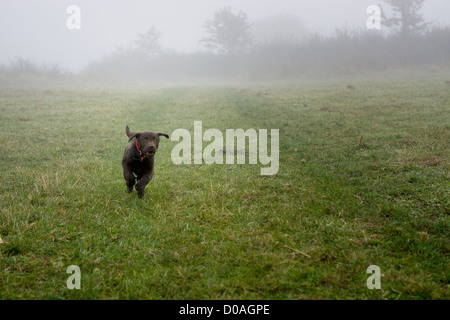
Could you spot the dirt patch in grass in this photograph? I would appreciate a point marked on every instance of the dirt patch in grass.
(426, 162)
(326, 109)
(430, 161)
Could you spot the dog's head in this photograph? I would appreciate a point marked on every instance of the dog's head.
(148, 141)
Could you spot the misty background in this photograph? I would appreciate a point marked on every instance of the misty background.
(169, 39)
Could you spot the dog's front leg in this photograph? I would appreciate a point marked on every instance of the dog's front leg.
(140, 186)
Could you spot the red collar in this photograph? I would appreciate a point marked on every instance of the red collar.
(141, 156)
(137, 147)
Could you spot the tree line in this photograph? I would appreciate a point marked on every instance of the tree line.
(277, 47)
(234, 51)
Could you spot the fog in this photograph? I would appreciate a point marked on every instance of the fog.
(36, 31)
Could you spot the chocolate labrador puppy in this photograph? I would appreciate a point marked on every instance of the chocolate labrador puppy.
(138, 158)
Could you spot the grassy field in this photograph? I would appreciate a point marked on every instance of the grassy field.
(363, 180)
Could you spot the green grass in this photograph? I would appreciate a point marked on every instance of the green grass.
(363, 180)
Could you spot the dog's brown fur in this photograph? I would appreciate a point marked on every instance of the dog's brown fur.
(135, 169)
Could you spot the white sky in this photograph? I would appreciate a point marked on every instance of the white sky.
(36, 29)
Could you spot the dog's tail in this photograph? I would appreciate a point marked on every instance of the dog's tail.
(128, 131)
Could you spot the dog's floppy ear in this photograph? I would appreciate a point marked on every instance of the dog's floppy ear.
(134, 135)
(163, 134)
